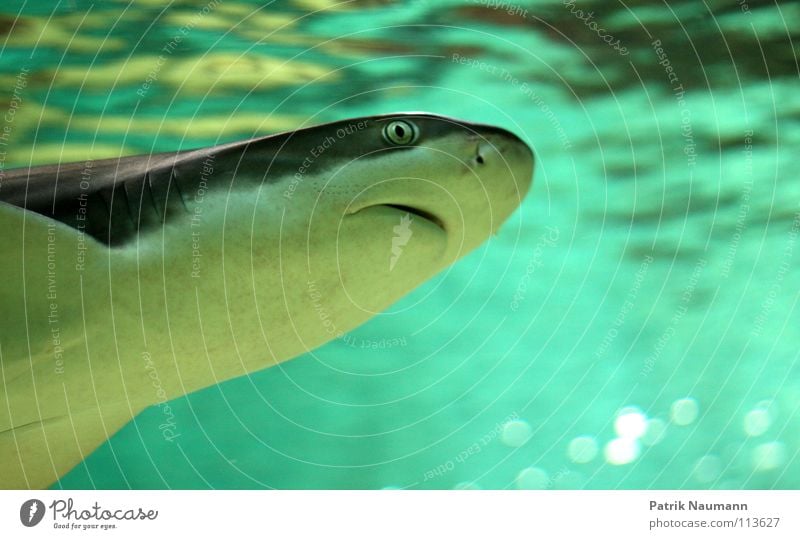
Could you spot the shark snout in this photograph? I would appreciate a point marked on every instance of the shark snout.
(503, 164)
(510, 159)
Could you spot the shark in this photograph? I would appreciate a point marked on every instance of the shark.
(129, 281)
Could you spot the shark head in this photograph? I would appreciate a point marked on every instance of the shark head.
(370, 208)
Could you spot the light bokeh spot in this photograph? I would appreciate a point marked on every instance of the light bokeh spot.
(684, 411)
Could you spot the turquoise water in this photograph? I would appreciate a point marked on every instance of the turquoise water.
(634, 325)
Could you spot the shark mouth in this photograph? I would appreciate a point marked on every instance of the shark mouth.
(417, 212)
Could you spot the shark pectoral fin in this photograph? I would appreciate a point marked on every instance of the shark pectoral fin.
(31, 241)
(36, 455)
(14, 220)
(41, 264)
(21, 228)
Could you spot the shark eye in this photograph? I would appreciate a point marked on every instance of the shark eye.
(400, 132)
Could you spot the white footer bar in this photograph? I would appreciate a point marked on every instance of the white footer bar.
(400, 514)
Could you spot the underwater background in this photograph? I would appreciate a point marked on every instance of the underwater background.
(634, 325)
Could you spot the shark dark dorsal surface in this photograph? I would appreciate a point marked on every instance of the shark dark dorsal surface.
(131, 281)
